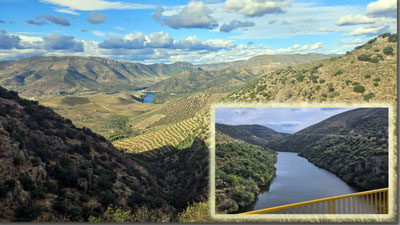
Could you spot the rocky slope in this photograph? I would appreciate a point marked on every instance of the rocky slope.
(52, 171)
(353, 145)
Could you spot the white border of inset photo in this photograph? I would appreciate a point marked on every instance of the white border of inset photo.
(282, 218)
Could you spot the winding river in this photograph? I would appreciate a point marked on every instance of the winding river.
(298, 180)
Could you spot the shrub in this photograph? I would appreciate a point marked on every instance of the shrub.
(376, 84)
(60, 205)
(321, 81)
(355, 83)
(3, 190)
(197, 212)
(377, 50)
(374, 60)
(27, 213)
(388, 50)
(338, 73)
(26, 182)
(377, 79)
(368, 46)
(359, 89)
(368, 96)
(114, 215)
(51, 187)
(84, 198)
(392, 38)
(17, 161)
(333, 94)
(299, 77)
(348, 82)
(367, 76)
(364, 57)
(35, 162)
(40, 191)
(371, 41)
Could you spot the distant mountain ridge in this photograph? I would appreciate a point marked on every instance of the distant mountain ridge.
(262, 60)
(253, 134)
(70, 74)
(227, 77)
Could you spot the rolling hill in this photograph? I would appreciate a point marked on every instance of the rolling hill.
(352, 144)
(252, 134)
(69, 74)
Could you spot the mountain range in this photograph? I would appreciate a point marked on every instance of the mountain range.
(70, 74)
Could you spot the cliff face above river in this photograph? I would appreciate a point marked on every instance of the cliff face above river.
(353, 145)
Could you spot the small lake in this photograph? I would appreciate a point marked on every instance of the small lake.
(298, 180)
(149, 98)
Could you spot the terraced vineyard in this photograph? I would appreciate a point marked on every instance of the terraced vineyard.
(175, 111)
(167, 136)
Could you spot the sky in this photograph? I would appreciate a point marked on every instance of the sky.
(286, 120)
(196, 31)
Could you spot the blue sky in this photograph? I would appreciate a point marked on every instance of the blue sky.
(188, 30)
(287, 120)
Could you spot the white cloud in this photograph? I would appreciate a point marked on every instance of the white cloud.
(69, 6)
(296, 48)
(379, 17)
(355, 20)
(66, 10)
(368, 31)
(382, 8)
(235, 24)
(99, 33)
(96, 18)
(325, 29)
(256, 8)
(159, 40)
(195, 15)
(351, 41)
(269, 26)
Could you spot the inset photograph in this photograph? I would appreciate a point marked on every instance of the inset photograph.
(301, 160)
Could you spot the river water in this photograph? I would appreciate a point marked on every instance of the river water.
(149, 98)
(298, 180)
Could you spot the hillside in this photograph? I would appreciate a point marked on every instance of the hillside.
(69, 74)
(252, 134)
(241, 170)
(352, 144)
(367, 73)
(53, 171)
(227, 77)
